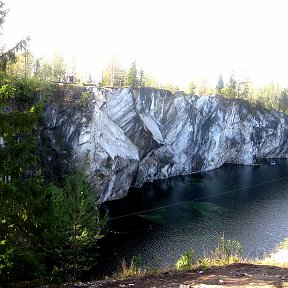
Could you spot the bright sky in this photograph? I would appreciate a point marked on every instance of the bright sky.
(174, 40)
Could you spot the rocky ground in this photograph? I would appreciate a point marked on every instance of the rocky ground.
(272, 274)
(236, 275)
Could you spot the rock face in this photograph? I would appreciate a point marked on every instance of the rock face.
(137, 135)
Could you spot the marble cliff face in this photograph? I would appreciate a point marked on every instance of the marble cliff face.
(137, 135)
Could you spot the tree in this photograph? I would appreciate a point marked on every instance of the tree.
(31, 208)
(21, 188)
(243, 88)
(113, 74)
(283, 101)
(170, 87)
(150, 81)
(270, 94)
(10, 54)
(22, 67)
(18, 117)
(203, 87)
(141, 78)
(43, 70)
(191, 88)
(131, 77)
(232, 86)
(59, 67)
(76, 227)
(220, 85)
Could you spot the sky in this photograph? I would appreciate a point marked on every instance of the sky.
(176, 41)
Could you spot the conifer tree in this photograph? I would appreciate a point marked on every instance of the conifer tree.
(141, 78)
(131, 78)
(191, 88)
(232, 86)
(220, 85)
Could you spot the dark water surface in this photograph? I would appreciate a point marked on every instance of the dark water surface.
(171, 216)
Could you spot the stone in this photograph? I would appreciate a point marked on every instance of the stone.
(134, 136)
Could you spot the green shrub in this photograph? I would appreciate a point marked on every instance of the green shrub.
(75, 228)
(130, 270)
(226, 252)
(186, 261)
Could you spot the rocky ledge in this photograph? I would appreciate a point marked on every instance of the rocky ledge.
(132, 136)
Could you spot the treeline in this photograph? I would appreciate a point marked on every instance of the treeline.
(114, 74)
(54, 69)
(270, 95)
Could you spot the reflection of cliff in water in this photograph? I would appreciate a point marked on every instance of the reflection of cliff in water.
(171, 216)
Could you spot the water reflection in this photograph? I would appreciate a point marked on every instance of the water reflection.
(247, 203)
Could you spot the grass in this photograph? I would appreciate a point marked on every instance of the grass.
(225, 253)
(133, 269)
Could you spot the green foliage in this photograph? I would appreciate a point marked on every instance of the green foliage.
(232, 87)
(220, 85)
(191, 88)
(186, 261)
(130, 270)
(203, 87)
(59, 67)
(170, 87)
(150, 81)
(141, 78)
(22, 66)
(84, 99)
(131, 77)
(44, 230)
(283, 101)
(225, 253)
(21, 188)
(270, 95)
(113, 74)
(75, 227)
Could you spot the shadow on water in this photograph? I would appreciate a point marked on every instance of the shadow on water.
(167, 217)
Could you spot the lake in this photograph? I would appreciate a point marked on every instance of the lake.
(165, 218)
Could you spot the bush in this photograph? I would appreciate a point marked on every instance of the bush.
(226, 252)
(186, 261)
(133, 269)
(74, 228)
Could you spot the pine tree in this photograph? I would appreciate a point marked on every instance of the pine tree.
(75, 228)
(131, 78)
(28, 207)
(21, 188)
(191, 88)
(141, 78)
(232, 86)
(220, 85)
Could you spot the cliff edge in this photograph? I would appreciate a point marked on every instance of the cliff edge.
(132, 136)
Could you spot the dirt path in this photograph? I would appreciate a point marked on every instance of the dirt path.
(236, 275)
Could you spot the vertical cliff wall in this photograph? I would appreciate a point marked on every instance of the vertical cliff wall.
(138, 135)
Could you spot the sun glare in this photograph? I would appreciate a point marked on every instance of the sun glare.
(176, 41)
